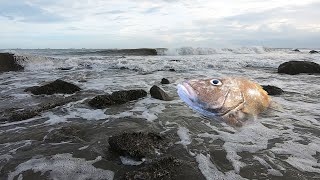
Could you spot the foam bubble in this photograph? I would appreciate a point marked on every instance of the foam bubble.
(131, 162)
(250, 138)
(210, 171)
(184, 135)
(301, 156)
(64, 166)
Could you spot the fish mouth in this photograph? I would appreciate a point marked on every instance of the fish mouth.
(190, 97)
(186, 91)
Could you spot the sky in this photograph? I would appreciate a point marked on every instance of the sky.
(159, 23)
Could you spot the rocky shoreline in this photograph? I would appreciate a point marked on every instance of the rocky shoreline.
(147, 148)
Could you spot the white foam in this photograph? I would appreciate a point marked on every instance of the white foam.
(54, 119)
(267, 165)
(130, 162)
(64, 166)
(210, 171)
(184, 135)
(250, 138)
(20, 96)
(83, 148)
(274, 172)
(149, 116)
(301, 156)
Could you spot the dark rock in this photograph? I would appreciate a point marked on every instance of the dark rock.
(65, 68)
(101, 101)
(158, 93)
(72, 133)
(313, 52)
(8, 62)
(22, 115)
(272, 90)
(296, 67)
(116, 98)
(172, 70)
(296, 50)
(55, 87)
(175, 60)
(165, 81)
(137, 145)
(123, 68)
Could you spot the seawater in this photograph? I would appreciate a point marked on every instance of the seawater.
(279, 144)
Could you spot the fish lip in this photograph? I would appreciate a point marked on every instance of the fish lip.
(188, 90)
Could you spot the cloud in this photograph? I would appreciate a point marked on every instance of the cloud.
(159, 23)
(24, 12)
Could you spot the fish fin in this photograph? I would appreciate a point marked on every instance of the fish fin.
(232, 120)
(276, 106)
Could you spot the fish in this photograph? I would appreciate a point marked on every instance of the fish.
(233, 99)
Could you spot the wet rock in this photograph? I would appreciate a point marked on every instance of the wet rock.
(158, 93)
(30, 112)
(175, 60)
(165, 81)
(313, 52)
(137, 145)
(296, 67)
(55, 87)
(65, 68)
(72, 133)
(296, 50)
(101, 101)
(272, 90)
(165, 168)
(116, 98)
(9, 62)
(172, 70)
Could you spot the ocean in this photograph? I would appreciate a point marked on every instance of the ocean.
(280, 144)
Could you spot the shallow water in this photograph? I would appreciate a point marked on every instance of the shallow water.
(280, 144)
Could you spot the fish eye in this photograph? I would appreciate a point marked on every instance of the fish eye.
(216, 82)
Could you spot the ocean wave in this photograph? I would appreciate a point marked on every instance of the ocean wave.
(208, 51)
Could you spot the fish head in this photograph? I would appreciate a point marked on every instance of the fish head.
(211, 97)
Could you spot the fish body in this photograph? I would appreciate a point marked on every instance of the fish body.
(233, 99)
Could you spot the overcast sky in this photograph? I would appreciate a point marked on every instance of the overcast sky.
(159, 23)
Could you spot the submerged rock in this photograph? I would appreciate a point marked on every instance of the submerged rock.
(116, 98)
(137, 145)
(296, 50)
(8, 62)
(72, 133)
(164, 168)
(158, 93)
(172, 70)
(313, 52)
(297, 67)
(30, 112)
(55, 87)
(165, 81)
(272, 90)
